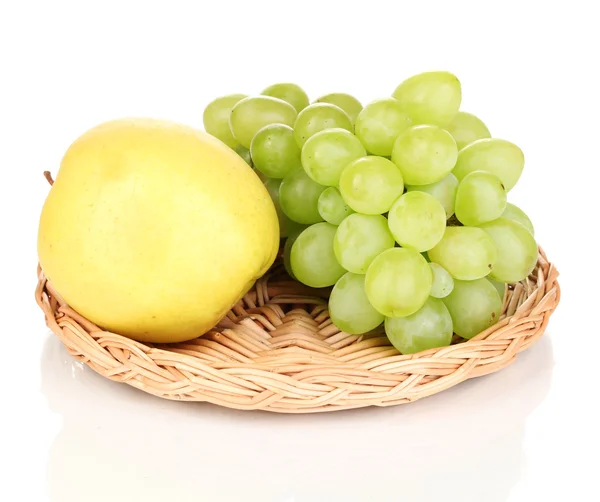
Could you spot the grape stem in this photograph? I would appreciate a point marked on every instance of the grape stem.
(48, 177)
(453, 222)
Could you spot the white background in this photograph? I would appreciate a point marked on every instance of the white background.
(528, 69)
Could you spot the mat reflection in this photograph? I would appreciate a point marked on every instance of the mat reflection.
(119, 444)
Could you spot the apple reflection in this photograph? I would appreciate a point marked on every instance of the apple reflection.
(120, 444)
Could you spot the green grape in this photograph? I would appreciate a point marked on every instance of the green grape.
(468, 253)
(293, 234)
(272, 186)
(370, 185)
(474, 306)
(359, 239)
(287, 251)
(332, 207)
(251, 114)
(327, 153)
(417, 220)
(442, 281)
(292, 227)
(444, 191)
(517, 250)
(496, 156)
(380, 123)
(349, 307)
(500, 287)
(466, 128)
(515, 213)
(398, 282)
(480, 198)
(312, 258)
(425, 154)
(216, 118)
(346, 102)
(299, 197)
(244, 153)
(274, 150)
(285, 224)
(291, 93)
(430, 98)
(318, 117)
(428, 328)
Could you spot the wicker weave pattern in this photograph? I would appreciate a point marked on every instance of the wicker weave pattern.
(277, 350)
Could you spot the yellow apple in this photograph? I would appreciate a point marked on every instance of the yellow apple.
(154, 230)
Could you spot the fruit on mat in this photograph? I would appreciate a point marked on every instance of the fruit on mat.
(515, 213)
(468, 253)
(332, 207)
(251, 114)
(474, 306)
(299, 197)
(466, 128)
(496, 156)
(431, 97)
(401, 205)
(318, 117)
(350, 308)
(427, 328)
(359, 239)
(442, 284)
(155, 230)
(517, 250)
(216, 118)
(380, 123)
(244, 153)
(417, 220)
(286, 226)
(346, 102)
(424, 154)
(398, 282)
(312, 257)
(287, 248)
(291, 93)
(444, 191)
(370, 185)
(500, 287)
(480, 198)
(274, 151)
(327, 153)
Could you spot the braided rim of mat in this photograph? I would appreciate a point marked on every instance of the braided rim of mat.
(278, 350)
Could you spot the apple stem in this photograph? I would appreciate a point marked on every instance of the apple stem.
(48, 176)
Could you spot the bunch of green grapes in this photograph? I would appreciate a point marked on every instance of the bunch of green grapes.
(400, 206)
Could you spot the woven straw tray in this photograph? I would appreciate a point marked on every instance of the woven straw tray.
(277, 350)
